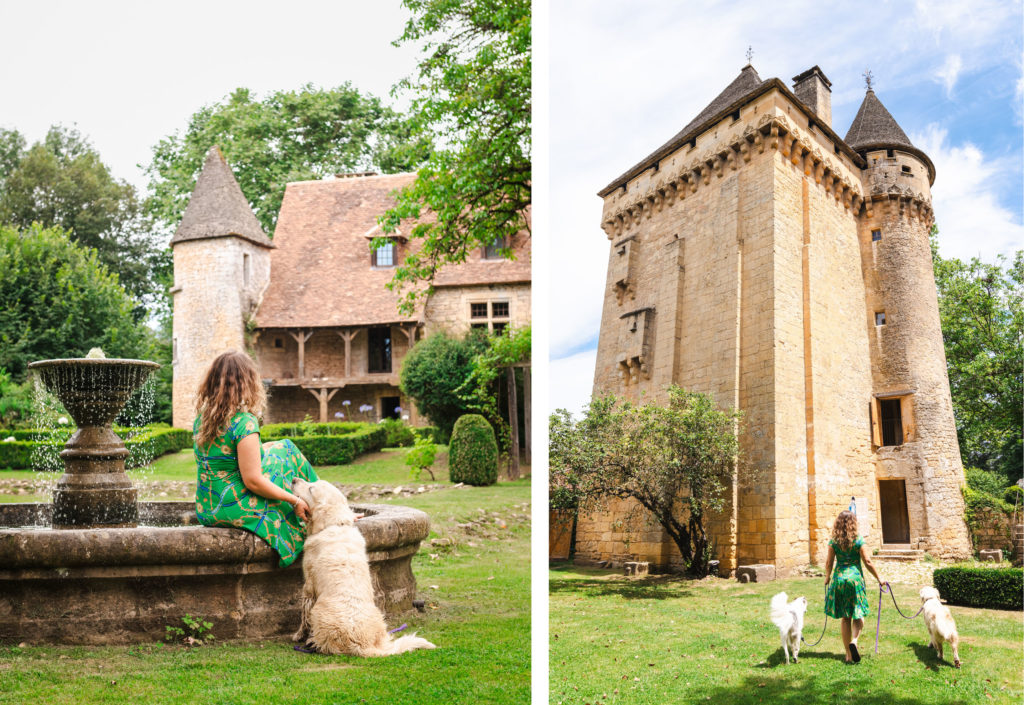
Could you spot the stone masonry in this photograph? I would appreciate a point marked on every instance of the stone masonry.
(749, 259)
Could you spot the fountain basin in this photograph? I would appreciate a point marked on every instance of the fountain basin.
(125, 585)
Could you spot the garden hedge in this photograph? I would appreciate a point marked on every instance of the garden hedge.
(432, 433)
(971, 586)
(28, 451)
(333, 449)
(473, 452)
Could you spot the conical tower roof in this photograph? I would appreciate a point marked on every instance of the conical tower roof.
(746, 83)
(876, 128)
(218, 207)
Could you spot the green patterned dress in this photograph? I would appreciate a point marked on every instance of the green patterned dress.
(222, 498)
(846, 596)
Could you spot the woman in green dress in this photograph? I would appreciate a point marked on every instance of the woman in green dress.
(240, 482)
(845, 598)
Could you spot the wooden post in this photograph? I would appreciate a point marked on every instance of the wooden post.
(513, 420)
(323, 397)
(347, 336)
(301, 337)
(527, 425)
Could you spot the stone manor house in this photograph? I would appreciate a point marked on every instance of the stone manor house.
(311, 305)
(762, 259)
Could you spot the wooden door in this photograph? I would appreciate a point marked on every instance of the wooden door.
(892, 496)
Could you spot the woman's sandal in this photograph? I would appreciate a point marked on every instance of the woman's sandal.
(854, 654)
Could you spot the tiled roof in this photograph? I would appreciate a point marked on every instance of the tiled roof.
(875, 128)
(745, 83)
(321, 273)
(218, 208)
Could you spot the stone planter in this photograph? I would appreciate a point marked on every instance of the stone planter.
(117, 585)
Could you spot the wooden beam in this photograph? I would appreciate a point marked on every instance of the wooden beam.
(513, 421)
(323, 396)
(348, 336)
(301, 337)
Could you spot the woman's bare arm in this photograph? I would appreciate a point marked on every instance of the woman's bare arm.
(867, 562)
(828, 564)
(258, 483)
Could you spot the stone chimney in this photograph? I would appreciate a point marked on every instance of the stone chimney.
(814, 90)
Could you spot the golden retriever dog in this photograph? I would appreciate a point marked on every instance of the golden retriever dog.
(338, 613)
(939, 621)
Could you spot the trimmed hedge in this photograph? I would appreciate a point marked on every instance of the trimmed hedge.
(432, 433)
(333, 449)
(142, 448)
(473, 452)
(306, 428)
(996, 588)
(399, 435)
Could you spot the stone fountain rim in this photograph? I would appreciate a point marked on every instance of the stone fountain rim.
(97, 361)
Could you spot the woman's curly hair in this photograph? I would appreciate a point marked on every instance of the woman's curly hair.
(844, 531)
(232, 384)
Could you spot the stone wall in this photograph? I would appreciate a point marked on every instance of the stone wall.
(217, 284)
(448, 308)
(289, 404)
(993, 530)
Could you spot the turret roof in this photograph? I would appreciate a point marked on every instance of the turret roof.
(218, 207)
(876, 128)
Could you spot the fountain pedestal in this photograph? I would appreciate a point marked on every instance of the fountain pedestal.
(94, 490)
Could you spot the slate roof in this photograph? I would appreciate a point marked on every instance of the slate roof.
(321, 273)
(874, 127)
(218, 208)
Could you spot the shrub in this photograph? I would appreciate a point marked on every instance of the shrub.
(432, 433)
(433, 372)
(334, 449)
(985, 481)
(304, 428)
(997, 588)
(473, 452)
(421, 457)
(1014, 495)
(40, 448)
(399, 435)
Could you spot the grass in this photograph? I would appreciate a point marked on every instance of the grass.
(664, 639)
(477, 591)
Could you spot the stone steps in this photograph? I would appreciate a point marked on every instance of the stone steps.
(899, 552)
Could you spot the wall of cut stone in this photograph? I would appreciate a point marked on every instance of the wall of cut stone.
(993, 530)
(211, 302)
(448, 308)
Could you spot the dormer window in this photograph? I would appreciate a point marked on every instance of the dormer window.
(384, 256)
(493, 251)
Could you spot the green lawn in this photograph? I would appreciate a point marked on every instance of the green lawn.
(477, 591)
(664, 639)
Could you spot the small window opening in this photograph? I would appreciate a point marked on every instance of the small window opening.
(876, 235)
(499, 326)
(889, 153)
(384, 256)
(499, 309)
(493, 251)
(892, 423)
(278, 342)
(478, 310)
(482, 326)
(880, 318)
(692, 143)
(379, 344)
(736, 116)
(246, 269)
(174, 356)
(836, 149)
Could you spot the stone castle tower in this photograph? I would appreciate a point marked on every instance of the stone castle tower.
(760, 258)
(221, 268)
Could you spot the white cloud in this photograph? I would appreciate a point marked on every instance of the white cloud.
(949, 72)
(572, 381)
(972, 222)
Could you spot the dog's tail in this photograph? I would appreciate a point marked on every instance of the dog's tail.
(780, 613)
(393, 647)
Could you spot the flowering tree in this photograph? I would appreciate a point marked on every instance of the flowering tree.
(677, 461)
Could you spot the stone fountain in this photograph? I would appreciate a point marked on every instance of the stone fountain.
(99, 567)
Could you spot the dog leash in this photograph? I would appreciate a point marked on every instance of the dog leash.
(822, 629)
(882, 588)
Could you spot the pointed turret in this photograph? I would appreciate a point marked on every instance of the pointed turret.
(218, 207)
(876, 128)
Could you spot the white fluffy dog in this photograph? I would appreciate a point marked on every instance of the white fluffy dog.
(939, 621)
(789, 618)
(338, 613)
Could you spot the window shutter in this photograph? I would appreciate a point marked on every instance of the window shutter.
(876, 426)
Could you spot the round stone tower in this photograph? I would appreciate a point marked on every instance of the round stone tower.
(221, 268)
(917, 458)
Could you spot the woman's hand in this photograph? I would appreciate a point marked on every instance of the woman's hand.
(828, 579)
(301, 509)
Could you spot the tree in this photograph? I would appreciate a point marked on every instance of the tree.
(62, 182)
(472, 93)
(287, 136)
(433, 372)
(677, 461)
(980, 307)
(58, 300)
(482, 387)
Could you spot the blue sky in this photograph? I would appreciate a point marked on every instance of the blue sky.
(624, 78)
